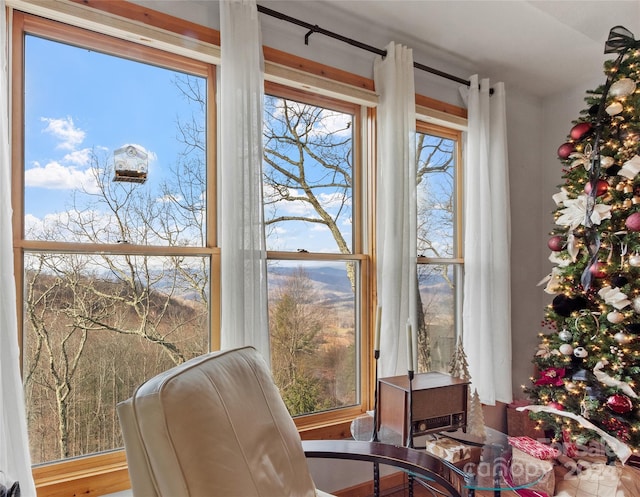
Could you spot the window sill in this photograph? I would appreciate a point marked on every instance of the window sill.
(89, 476)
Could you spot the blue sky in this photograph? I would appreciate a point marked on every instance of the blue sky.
(78, 101)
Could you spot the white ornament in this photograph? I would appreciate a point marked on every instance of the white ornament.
(622, 88)
(580, 352)
(622, 338)
(615, 317)
(566, 349)
(634, 260)
(636, 304)
(565, 335)
(614, 108)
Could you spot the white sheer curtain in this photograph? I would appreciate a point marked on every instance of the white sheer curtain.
(15, 461)
(396, 207)
(487, 239)
(242, 241)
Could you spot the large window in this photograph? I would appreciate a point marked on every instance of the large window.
(439, 247)
(314, 249)
(117, 264)
(115, 231)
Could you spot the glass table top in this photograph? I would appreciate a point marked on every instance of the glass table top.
(485, 463)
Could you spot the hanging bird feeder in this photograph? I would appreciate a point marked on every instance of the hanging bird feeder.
(131, 164)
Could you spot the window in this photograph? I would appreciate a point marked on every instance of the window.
(115, 236)
(311, 173)
(116, 228)
(439, 246)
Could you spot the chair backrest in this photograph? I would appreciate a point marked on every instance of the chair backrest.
(213, 426)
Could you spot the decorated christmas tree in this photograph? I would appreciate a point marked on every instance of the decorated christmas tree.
(588, 359)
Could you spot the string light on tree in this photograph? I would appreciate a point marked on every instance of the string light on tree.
(587, 360)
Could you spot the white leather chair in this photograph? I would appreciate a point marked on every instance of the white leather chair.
(216, 426)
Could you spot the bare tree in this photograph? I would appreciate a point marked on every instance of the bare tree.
(435, 167)
(308, 162)
(73, 300)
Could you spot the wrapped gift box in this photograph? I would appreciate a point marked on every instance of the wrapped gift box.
(448, 449)
(534, 448)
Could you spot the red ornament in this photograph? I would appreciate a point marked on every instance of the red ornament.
(598, 270)
(601, 187)
(580, 130)
(633, 222)
(556, 405)
(565, 150)
(619, 403)
(556, 243)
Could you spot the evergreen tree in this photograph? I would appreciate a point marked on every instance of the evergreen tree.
(588, 360)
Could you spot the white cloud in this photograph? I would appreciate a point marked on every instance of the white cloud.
(169, 198)
(64, 130)
(326, 122)
(335, 199)
(78, 157)
(55, 176)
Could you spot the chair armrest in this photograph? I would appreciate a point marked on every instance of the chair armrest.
(417, 463)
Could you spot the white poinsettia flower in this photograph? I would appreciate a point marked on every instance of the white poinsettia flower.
(553, 281)
(582, 158)
(575, 211)
(630, 168)
(559, 259)
(614, 297)
(561, 196)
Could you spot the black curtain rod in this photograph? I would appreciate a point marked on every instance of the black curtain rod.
(317, 29)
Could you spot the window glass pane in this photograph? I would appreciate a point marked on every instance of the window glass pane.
(437, 285)
(308, 177)
(312, 323)
(436, 171)
(96, 327)
(114, 149)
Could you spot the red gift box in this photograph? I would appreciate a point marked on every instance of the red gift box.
(534, 448)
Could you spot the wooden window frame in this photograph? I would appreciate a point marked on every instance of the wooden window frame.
(107, 473)
(457, 261)
(335, 424)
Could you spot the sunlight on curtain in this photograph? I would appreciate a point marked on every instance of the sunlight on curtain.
(396, 207)
(242, 241)
(487, 239)
(15, 461)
